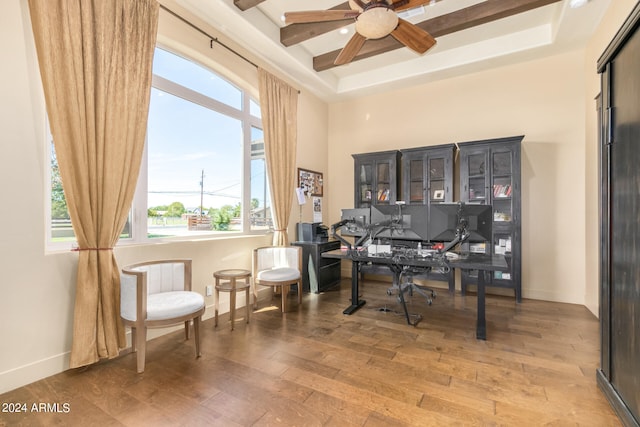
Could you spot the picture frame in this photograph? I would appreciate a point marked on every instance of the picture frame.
(438, 195)
(311, 182)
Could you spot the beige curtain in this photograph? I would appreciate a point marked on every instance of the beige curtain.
(95, 60)
(279, 106)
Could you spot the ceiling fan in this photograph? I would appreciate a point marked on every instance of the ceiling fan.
(374, 19)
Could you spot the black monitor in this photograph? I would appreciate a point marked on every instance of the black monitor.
(358, 221)
(446, 220)
(402, 222)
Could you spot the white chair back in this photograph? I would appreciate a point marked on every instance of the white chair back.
(272, 257)
(165, 277)
(128, 296)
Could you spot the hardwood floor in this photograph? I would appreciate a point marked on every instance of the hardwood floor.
(317, 367)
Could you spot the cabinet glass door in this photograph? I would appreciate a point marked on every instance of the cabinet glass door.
(477, 178)
(384, 183)
(366, 184)
(502, 246)
(416, 182)
(436, 179)
(502, 174)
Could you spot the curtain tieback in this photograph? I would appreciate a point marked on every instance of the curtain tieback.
(91, 249)
(279, 229)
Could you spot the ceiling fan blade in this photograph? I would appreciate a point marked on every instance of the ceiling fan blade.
(413, 37)
(318, 16)
(410, 4)
(351, 49)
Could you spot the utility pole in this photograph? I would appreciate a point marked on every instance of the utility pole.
(202, 194)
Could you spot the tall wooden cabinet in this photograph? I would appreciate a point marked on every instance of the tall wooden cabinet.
(377, 177)
(490, 174)
(619, 102)
(428, 178)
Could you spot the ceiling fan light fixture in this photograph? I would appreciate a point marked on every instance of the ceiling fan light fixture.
(376, 22)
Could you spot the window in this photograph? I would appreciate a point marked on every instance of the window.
(204, 169)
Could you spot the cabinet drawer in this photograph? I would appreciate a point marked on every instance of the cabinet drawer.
(329, 276)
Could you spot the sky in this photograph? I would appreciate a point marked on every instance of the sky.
(186, 139)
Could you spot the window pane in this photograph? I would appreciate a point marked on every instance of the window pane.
(194, 168)
(60, 223)
(195, 77)
(260, 199)
(254, 108)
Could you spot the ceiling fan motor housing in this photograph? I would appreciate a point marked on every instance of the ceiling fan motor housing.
(376, 21)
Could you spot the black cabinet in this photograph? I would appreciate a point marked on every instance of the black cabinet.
(427, 179)
(490, 174)
(619, 124)
(319, 274)
(376, 178)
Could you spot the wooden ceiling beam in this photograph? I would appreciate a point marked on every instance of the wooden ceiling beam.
(479, 14)
(246, 4)
(297, 33)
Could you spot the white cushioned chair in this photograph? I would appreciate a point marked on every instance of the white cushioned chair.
(278, 267)
(156, 294)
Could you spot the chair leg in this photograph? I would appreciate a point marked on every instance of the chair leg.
(133, 340)
(196, 333)
(187, 333)
(299, 286)
(247, 294)
(232, 307)
(141, 344)
(254, 288)
(216, 305)
(285, 293)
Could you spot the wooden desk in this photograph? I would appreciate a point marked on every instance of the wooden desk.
(485, 264)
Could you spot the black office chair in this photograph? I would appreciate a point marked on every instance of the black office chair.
(406, 286)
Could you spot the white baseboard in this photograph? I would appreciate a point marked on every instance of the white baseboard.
(43, 368)
(34, 371)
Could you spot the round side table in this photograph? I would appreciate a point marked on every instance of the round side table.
(232, 281)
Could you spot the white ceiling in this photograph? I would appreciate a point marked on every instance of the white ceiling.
(544, 31)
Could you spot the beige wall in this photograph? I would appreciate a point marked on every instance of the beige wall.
(37, 289)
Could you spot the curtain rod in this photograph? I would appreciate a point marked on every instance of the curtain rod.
(213, 39)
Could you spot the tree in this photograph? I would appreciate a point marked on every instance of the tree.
(254, 203)
(59, 209)
(221, 217)
(175, 210)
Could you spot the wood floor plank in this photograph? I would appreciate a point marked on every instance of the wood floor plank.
(314, 366)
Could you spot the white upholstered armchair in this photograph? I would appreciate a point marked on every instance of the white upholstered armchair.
(278, 267)
(158, 294)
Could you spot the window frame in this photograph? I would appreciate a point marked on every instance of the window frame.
(138, 212)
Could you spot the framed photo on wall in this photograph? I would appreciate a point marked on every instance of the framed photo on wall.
(310, 182)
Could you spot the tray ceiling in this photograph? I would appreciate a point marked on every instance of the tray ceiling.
(471, 35)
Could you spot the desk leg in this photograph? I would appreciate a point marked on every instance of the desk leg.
(356, 303)
(481, 323)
